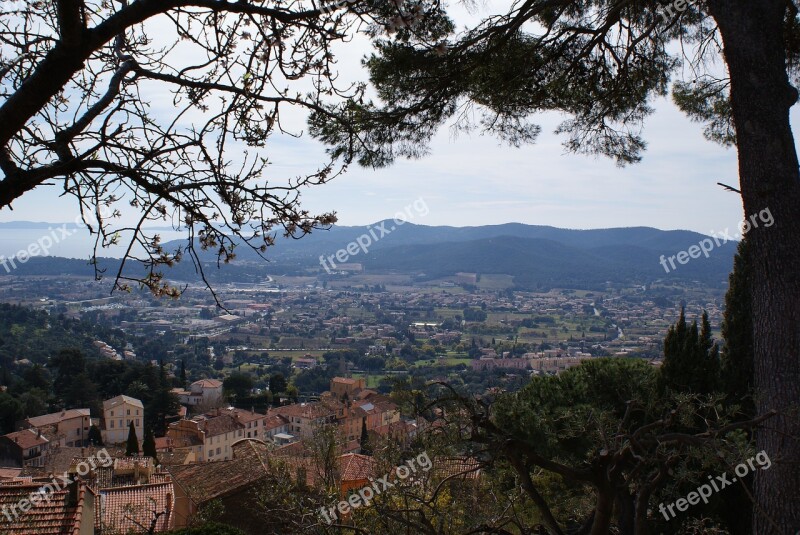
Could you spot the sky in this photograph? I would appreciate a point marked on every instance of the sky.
(475, 180)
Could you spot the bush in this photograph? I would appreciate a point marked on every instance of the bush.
(212, 528)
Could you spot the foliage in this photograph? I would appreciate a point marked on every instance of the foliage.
(149, 445)
(737, 330)
(691, 359)
(210, 528)
(94, 437)
(132, 444)
(78, 82)
(277, 384)
(237, 385)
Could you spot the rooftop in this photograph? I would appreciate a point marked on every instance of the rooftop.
(119, 400)
(56, 417)
(56, 516)
(27, 438)
(127, 509)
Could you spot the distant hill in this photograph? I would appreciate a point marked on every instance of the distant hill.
(534, 255)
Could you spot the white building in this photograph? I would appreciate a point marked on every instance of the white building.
(206, 393)
(209, 437)
(118, 413)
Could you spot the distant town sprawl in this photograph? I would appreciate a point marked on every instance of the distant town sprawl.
(374, 233)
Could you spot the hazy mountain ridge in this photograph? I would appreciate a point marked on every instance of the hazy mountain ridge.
(534, 255)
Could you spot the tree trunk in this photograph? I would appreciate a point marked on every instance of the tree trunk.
(603, 509)
(761, 97)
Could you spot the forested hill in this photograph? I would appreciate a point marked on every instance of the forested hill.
(35, 335)
(535, 256)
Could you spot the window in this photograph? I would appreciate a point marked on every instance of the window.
(137, 422)
(218, 451)
(211, 453)
(112, 424)
(120, 422)
(137, 412)
(129, 412)
(112, 413)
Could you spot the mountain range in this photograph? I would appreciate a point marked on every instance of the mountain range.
(535, 256)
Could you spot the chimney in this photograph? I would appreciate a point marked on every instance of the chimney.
(38, 433)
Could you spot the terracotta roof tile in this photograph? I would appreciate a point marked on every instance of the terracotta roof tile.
(56, 417)
(126, 509)
(27, 438)
(355, 467)
(54, 517)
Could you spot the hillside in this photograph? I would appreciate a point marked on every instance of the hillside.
(536, 256)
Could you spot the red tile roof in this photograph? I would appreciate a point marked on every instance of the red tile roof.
(208, 383)
(130, 509)
(27, 438)
(309, 411)
(54, 517)
(243, 415)
(219, 425)
(355, 467)
(56, 417)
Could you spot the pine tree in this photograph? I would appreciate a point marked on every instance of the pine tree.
(149, 445)
(737, 331)
(132, 447)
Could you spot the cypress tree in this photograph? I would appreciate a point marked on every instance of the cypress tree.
(95, 437)
(691, 357)
(149, 445)
(365, 448)
(737, 331)
(132, 446)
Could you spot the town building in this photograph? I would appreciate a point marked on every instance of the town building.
(210, 436)
(28, 447)
(69, 427)
(118, 413)
(205, 393)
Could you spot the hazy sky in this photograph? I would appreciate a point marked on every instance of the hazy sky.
(473, 180)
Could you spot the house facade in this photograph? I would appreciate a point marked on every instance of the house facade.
(209, 437)
(71, 426)
(203, 393)
(118, 414)
(28, 447)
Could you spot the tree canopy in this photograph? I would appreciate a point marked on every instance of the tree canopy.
(729, 64)
(150, 111)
